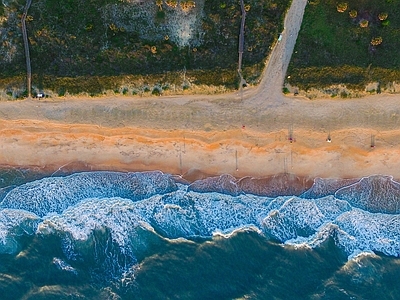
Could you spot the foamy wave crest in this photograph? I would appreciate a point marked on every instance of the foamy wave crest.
(110, 231)
(179, 214)
(55, 194)
(369, 231)
(14, 223)
(80, 221)
(302, 217)
(188, 214)
(183, 214)
(131, 212)
(358, 231)
(374, 194)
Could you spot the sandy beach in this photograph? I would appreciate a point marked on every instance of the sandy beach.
(210, 146)
(259, 132)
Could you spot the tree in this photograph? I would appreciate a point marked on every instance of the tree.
(172, 3)
(342, 7)
(353, 13)
(376, 41)
(383, 16)
(364, 23)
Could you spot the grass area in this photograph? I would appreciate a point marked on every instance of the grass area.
(352, 43)
(97, 39)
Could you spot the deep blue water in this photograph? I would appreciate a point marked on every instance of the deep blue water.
(110, 235)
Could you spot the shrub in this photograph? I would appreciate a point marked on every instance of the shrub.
(61, 91)
(285, 90)
(157, 90)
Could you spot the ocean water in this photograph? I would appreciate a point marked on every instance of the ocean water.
(149, 235)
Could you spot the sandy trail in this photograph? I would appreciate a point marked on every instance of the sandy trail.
(181, 133)
(269, 92)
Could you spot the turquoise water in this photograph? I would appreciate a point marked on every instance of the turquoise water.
(110, 235)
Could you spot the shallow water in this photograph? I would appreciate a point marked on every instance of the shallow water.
(110, 235)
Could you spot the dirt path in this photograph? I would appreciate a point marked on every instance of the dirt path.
(269, 92)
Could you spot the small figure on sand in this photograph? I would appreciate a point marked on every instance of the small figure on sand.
(290, 134)
(328, 139)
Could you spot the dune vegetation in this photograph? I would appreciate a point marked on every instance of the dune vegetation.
(135, 46)
(351, 43)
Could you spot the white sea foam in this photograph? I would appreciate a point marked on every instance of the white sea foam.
(359, 255)
(80, 221)
(182, 214)
(55, 194)
(301, 217)
(233, 232)
(14, 223)
(175, 213)
(19, 220)
(62, 265)
(371, 232)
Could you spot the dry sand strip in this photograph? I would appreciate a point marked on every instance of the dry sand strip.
(240, 152)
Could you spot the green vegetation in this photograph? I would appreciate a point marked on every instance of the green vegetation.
(1, 8)
(352, 43)
(157, 84)
(78, 45)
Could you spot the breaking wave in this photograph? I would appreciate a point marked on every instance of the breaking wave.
(55, 194)
(114, 218)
